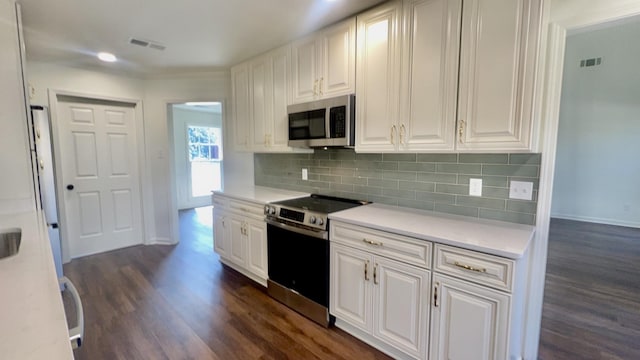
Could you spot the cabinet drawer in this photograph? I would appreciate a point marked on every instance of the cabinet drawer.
(397, 247)
(246, 208)
(481, 268)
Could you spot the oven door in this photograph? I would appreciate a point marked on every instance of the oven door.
(299, 260)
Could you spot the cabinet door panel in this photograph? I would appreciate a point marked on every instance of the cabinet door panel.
(260, 95)
(304, 69)
(280, 129)
(402, 312)
(431, 45)
(499, 40)
(237, 246)
(378, 81)
(220, 234)
(338, 55)
(350, 293)
(240, 106)
(470, 321)
(257, 248)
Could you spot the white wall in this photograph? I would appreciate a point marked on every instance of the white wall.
(156, 94)
(181, 119)
(597, 164)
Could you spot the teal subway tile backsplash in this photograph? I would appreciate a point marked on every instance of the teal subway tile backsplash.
(436, 182)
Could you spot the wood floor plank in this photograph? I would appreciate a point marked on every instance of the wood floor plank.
(180, 302)
(591, 307)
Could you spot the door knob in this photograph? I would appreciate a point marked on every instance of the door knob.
(70, 187)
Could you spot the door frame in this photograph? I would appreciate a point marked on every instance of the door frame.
(174, 224)
(144, 183)
(550, 77)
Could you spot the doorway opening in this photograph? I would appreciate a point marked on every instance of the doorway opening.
(198, 152)
(591, 275)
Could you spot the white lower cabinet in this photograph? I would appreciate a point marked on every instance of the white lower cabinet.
(240, 237)
(414, 299)
(221, 231)
(384, 299)
(468, 321)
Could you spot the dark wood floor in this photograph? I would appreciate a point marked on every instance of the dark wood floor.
(592, 293)
(178, 302)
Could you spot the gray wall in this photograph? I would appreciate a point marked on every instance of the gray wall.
(438, 182)
(597, 165)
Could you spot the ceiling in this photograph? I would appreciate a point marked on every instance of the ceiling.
(199, 35)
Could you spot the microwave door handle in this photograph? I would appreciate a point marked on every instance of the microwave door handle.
(327, 123)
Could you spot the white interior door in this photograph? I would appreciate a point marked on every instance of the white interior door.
(100, 180)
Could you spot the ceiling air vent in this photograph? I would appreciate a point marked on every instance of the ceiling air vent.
(147, 43)
(590, 62)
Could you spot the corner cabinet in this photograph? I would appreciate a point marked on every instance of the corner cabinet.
(324, 63)
(466, 75)
(240, 236)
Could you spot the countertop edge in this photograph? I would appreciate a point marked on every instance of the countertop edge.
(525, 233)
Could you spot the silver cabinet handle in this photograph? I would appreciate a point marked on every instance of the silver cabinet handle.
(76, 334)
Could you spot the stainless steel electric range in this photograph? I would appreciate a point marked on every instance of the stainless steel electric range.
(298, 249)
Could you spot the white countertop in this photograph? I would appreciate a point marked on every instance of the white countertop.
(259, 194)
(32, 320)
(492, 237)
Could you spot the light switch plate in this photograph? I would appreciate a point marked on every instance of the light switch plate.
(522, 190)
(305, 174)
(475, 187)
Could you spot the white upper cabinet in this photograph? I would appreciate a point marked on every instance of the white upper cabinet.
(260, 94)
(16, 184)
(240, 106)
(482, 102)
(323, 64)
(378, 82)
(497, 74)
(431, 43)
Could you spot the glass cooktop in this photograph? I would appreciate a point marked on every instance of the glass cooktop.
(321, 203)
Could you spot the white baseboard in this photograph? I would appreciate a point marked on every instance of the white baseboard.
(597, 220)
(161, 241)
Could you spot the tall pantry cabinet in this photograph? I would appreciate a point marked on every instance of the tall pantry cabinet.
(16, 183)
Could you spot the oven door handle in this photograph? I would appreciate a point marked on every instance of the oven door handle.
(320, 234)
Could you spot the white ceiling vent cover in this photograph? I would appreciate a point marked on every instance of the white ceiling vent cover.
(147, 43)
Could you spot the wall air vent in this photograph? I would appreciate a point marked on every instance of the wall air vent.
(590, 62)
(147, 43)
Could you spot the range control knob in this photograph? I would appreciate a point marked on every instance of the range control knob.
(272, 210)
(320, 221)
(312, 219)
(266, 209)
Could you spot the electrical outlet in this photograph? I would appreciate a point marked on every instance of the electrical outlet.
(305, 174)
(475, 187)
(522, 190)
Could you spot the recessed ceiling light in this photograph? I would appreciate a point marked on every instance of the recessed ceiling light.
(107, 57)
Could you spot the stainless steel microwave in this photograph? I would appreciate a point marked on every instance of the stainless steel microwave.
(328, 122)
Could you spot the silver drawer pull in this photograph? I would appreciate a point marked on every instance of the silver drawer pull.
(467, 267)
(371, 242)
